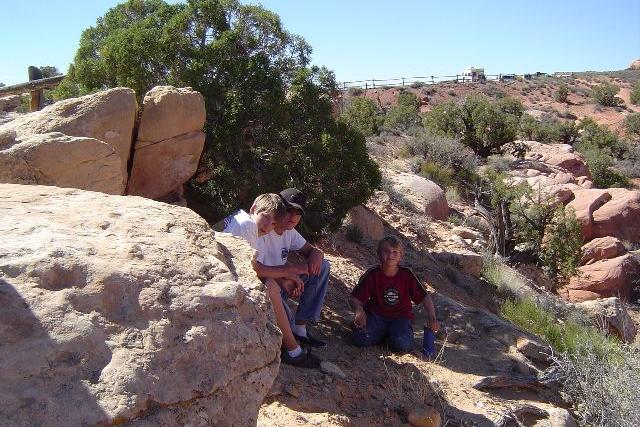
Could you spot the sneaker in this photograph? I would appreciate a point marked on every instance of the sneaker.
(310, 340)
(304, 360)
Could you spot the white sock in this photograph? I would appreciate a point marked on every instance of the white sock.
(295, 352)
(300, 330)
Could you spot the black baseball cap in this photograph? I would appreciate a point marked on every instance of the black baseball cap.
(294, 198)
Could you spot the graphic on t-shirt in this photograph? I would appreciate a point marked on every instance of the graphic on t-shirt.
(284, 253)
(391, 296)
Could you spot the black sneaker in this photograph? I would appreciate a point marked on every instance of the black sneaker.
(304, 360)
(310, 340)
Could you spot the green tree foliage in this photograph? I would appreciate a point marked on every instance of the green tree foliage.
(594, 135)
(561, 249)
(269, 120)
(632, 125)
(547, 129)
(635, 94)
(481, 124)
(404, 115)
(605, 94)
(361, 115)
(601, 165)
(562, 94)
(49, 71)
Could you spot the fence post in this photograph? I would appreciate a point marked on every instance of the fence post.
(373, 83)
(36, 95)
(403, 81)
(432, 82)
(366, 86)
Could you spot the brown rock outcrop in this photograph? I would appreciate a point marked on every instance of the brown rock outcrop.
(619, 217)
(60, 160)
(561, 155)
(584, 204)
(170, 141)
(122, 310)
(611, 315)
(605, 278)
(367, 221)
(107, 116)
(425, 196)
(602, 248)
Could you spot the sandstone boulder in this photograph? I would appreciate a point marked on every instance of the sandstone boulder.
(619, 217)
(601, 279)
(610, 314)
(635, 65)
(121, 310)
(367, 221)
(561, 155)
(602, 248)
(107, 116)
(9, 103)
(170, 141)
(424, 195)
(467, 262)
(584, 204)
(60, 160)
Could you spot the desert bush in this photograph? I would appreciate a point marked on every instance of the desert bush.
(566, 131)
(532, 129)
(601, 164)
(605, 94)
(417, 85)
(440, 174)
(602, 385)
(561, 248)
(632, 125)
(355, 91)
(630, 163)
(592, 134)
(506, 280)
(562, 93)
(269, 121)
(404, 115)
(361, 115)
(455, 220)
(635, 94)
(480, 124)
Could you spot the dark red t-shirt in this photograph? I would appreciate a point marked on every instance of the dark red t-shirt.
(389, 296)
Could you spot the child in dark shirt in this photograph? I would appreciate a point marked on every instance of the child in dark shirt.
(382, 301)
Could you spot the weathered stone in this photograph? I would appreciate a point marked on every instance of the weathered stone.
(331, 369)
(602, 248)
(620, 216)
(533, 350)
(467, 262)
(158, 169)
(558, 417)
(424, 195)
(170, 141)
(561, 155)
(611, 315)
(60, 160)
(585, 203)
(107, 116)
(168, 111)
(367, 221)
(601, 279)
(9, 103)
(424, 417)
(122, 310)
(466, 233)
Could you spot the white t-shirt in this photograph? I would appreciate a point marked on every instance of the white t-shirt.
(242, 225)
(275, 247)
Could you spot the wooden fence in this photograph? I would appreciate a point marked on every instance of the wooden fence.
(34, 86)
(408, 81)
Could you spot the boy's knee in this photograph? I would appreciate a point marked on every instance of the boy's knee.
(401, 343)
(360, 339)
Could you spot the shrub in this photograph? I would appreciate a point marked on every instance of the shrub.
(635, 94)
(417, 85)
(562, 93)
(594, 135)
(600, 164)
(561, 248)
(355, 91)
(269, 121)
(404, 115)
(566, 131)
(533, 129)
(482, 125)
(441, 175)
(361, 115)
(632, 125)
(605, 94)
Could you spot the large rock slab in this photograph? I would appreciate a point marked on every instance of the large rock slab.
(602, 248)
(611, 315)
(584, 204)
(367, 221)
(424, 195)
(60, 160)
(619, 217)
(170, 141)
(605, 278)
(561, 155)
(108, 116)
(122, 310)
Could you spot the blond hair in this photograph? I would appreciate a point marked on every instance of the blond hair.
(392, 241)
(271, 204)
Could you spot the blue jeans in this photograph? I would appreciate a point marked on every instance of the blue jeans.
(398, 332)
(312, 298)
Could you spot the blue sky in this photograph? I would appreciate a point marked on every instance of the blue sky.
(379, 39)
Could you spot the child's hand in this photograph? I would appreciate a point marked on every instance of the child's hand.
(433, 325)
(293, 286)
(360, 319)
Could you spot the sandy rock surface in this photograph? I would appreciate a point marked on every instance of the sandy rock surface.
(124, 310)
